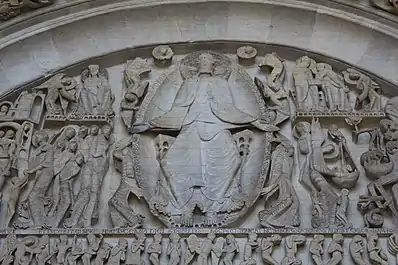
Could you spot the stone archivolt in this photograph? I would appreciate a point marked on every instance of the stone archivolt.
(208, 147)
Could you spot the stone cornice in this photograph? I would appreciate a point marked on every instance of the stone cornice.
(63, 13)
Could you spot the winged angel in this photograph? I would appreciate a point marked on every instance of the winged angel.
(203, 165)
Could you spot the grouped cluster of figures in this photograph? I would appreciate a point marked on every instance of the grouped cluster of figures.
(205, 144)
(192, 250)
(55, 162)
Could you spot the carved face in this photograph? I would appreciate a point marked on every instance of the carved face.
(107, 131)
(2, 133)
(10, 134)
(83, 131)
(94, 70)
(174, 238)
(211, 236)
(305, 61)
(206, 63)
(70, 133)
(229, 239)
(63, 238)
(73, 146)
(94, 130)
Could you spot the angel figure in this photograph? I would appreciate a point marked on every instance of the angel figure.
(61, 91)
(66, 167)
(284, 211)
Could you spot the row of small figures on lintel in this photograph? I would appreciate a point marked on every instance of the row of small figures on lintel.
(194, 250)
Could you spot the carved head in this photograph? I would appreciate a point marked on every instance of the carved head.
(174, 237)
(2, 133)
(157, 237)
(206, 63)
(94, 69)
(123, 243)
(73, 146)
(70, 133)
(338, 238)
(230, 239)
(276, 239)
(252, 236)
(107, 131)
(94, 130)
(323, 67)
(45, 240)
(304, 61)
(357, 239)
(302, 128)
(83, 132)
(63, 239)
(211, 236)
(345, 192)
(10, 134)
(319, 238)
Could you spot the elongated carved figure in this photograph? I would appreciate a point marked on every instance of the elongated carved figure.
(174, 249)
(137, 247)
(316, 249)
(155, 249)
(231, 249)
(250, 246)
(61, 248)
(357, 250)
(44, 172)
(118, 252)
(336, 250)
(284, 211)
(102, 254)
(376, 254)
(93, 246)
(266, 246)
(292, 243)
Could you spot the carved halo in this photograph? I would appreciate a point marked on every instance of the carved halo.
(189, 64)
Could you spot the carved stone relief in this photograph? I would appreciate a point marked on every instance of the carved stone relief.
(13, 8)
(211, 145)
